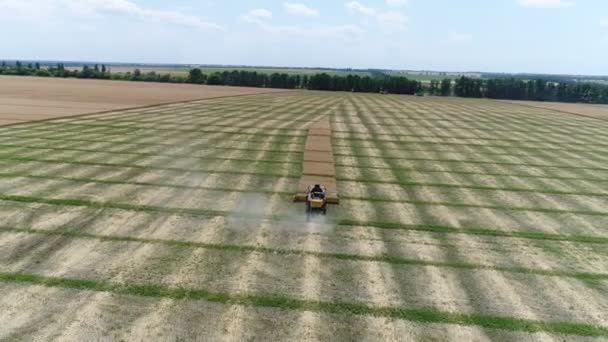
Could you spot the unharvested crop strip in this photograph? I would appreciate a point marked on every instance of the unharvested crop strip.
(133, 166)
(343, 223)
(424, 315)
(374, 134)
(427, 118)
(581, 156)
(489, 129)
(203, 144)
(419, 142)
(483, 187)
(54, 129)
(479, 162)
(168, 122)
(458, 148)
(190, 156)
(389, 259)
(210, 212)
(422, 170)
(123, 206)
(480, 206)
(439, 229)
(194, 126)
(152, 184)
(381, 120)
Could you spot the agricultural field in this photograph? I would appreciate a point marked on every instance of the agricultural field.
(211, 69)
(25, 99)
(459, 219)
(592, 110)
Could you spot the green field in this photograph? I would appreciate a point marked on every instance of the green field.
(459, 220)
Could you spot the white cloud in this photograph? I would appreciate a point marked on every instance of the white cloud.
(257, 16)
(301, 9)
(396, 3)
(85, 8)
(356, 6)
(392, 20)
(546, 3)
(459, 38)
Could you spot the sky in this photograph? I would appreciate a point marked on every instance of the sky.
(536, 36)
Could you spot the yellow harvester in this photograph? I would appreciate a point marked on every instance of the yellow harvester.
(316, 201)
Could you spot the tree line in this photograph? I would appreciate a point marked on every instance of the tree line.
(532, 90)
(377, 82)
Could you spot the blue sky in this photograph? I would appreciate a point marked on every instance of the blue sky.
(544, 36)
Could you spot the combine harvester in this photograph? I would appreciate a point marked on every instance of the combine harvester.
(317, 187)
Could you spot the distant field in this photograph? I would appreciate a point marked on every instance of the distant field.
(594, 111)
(460, 220)
(209, 70)
(33, 98)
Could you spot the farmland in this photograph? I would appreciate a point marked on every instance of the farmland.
(211, 69)
(34, 98)
(458, 219)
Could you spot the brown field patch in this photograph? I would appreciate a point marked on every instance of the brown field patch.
(25, 99)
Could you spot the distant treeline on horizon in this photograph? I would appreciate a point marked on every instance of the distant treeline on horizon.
(513, 88)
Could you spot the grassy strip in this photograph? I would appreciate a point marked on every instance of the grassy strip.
(140, 132)
(272, 192)
(125, 206)
(376, 135)
(488, 129)
(70, 135)
(544, 123)
(481, 206)
(396, 260)
(191, 125)
(483, 187)
(78, 202)
(342, 222)
(402, 142)
(133, 166)
(201, 144)
(476, 231)
(173, 130)
(478, 162)
(582, 154)
(422, 170)
(424, 315)
(61, 149)
(155, 184)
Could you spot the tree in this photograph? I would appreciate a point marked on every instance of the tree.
(434, 87)
(136, 75)
(103, 69)
(214, 79)
(195, 76)
(446, 87)
(37, 66)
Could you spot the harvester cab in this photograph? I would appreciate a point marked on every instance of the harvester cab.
(316, 201)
